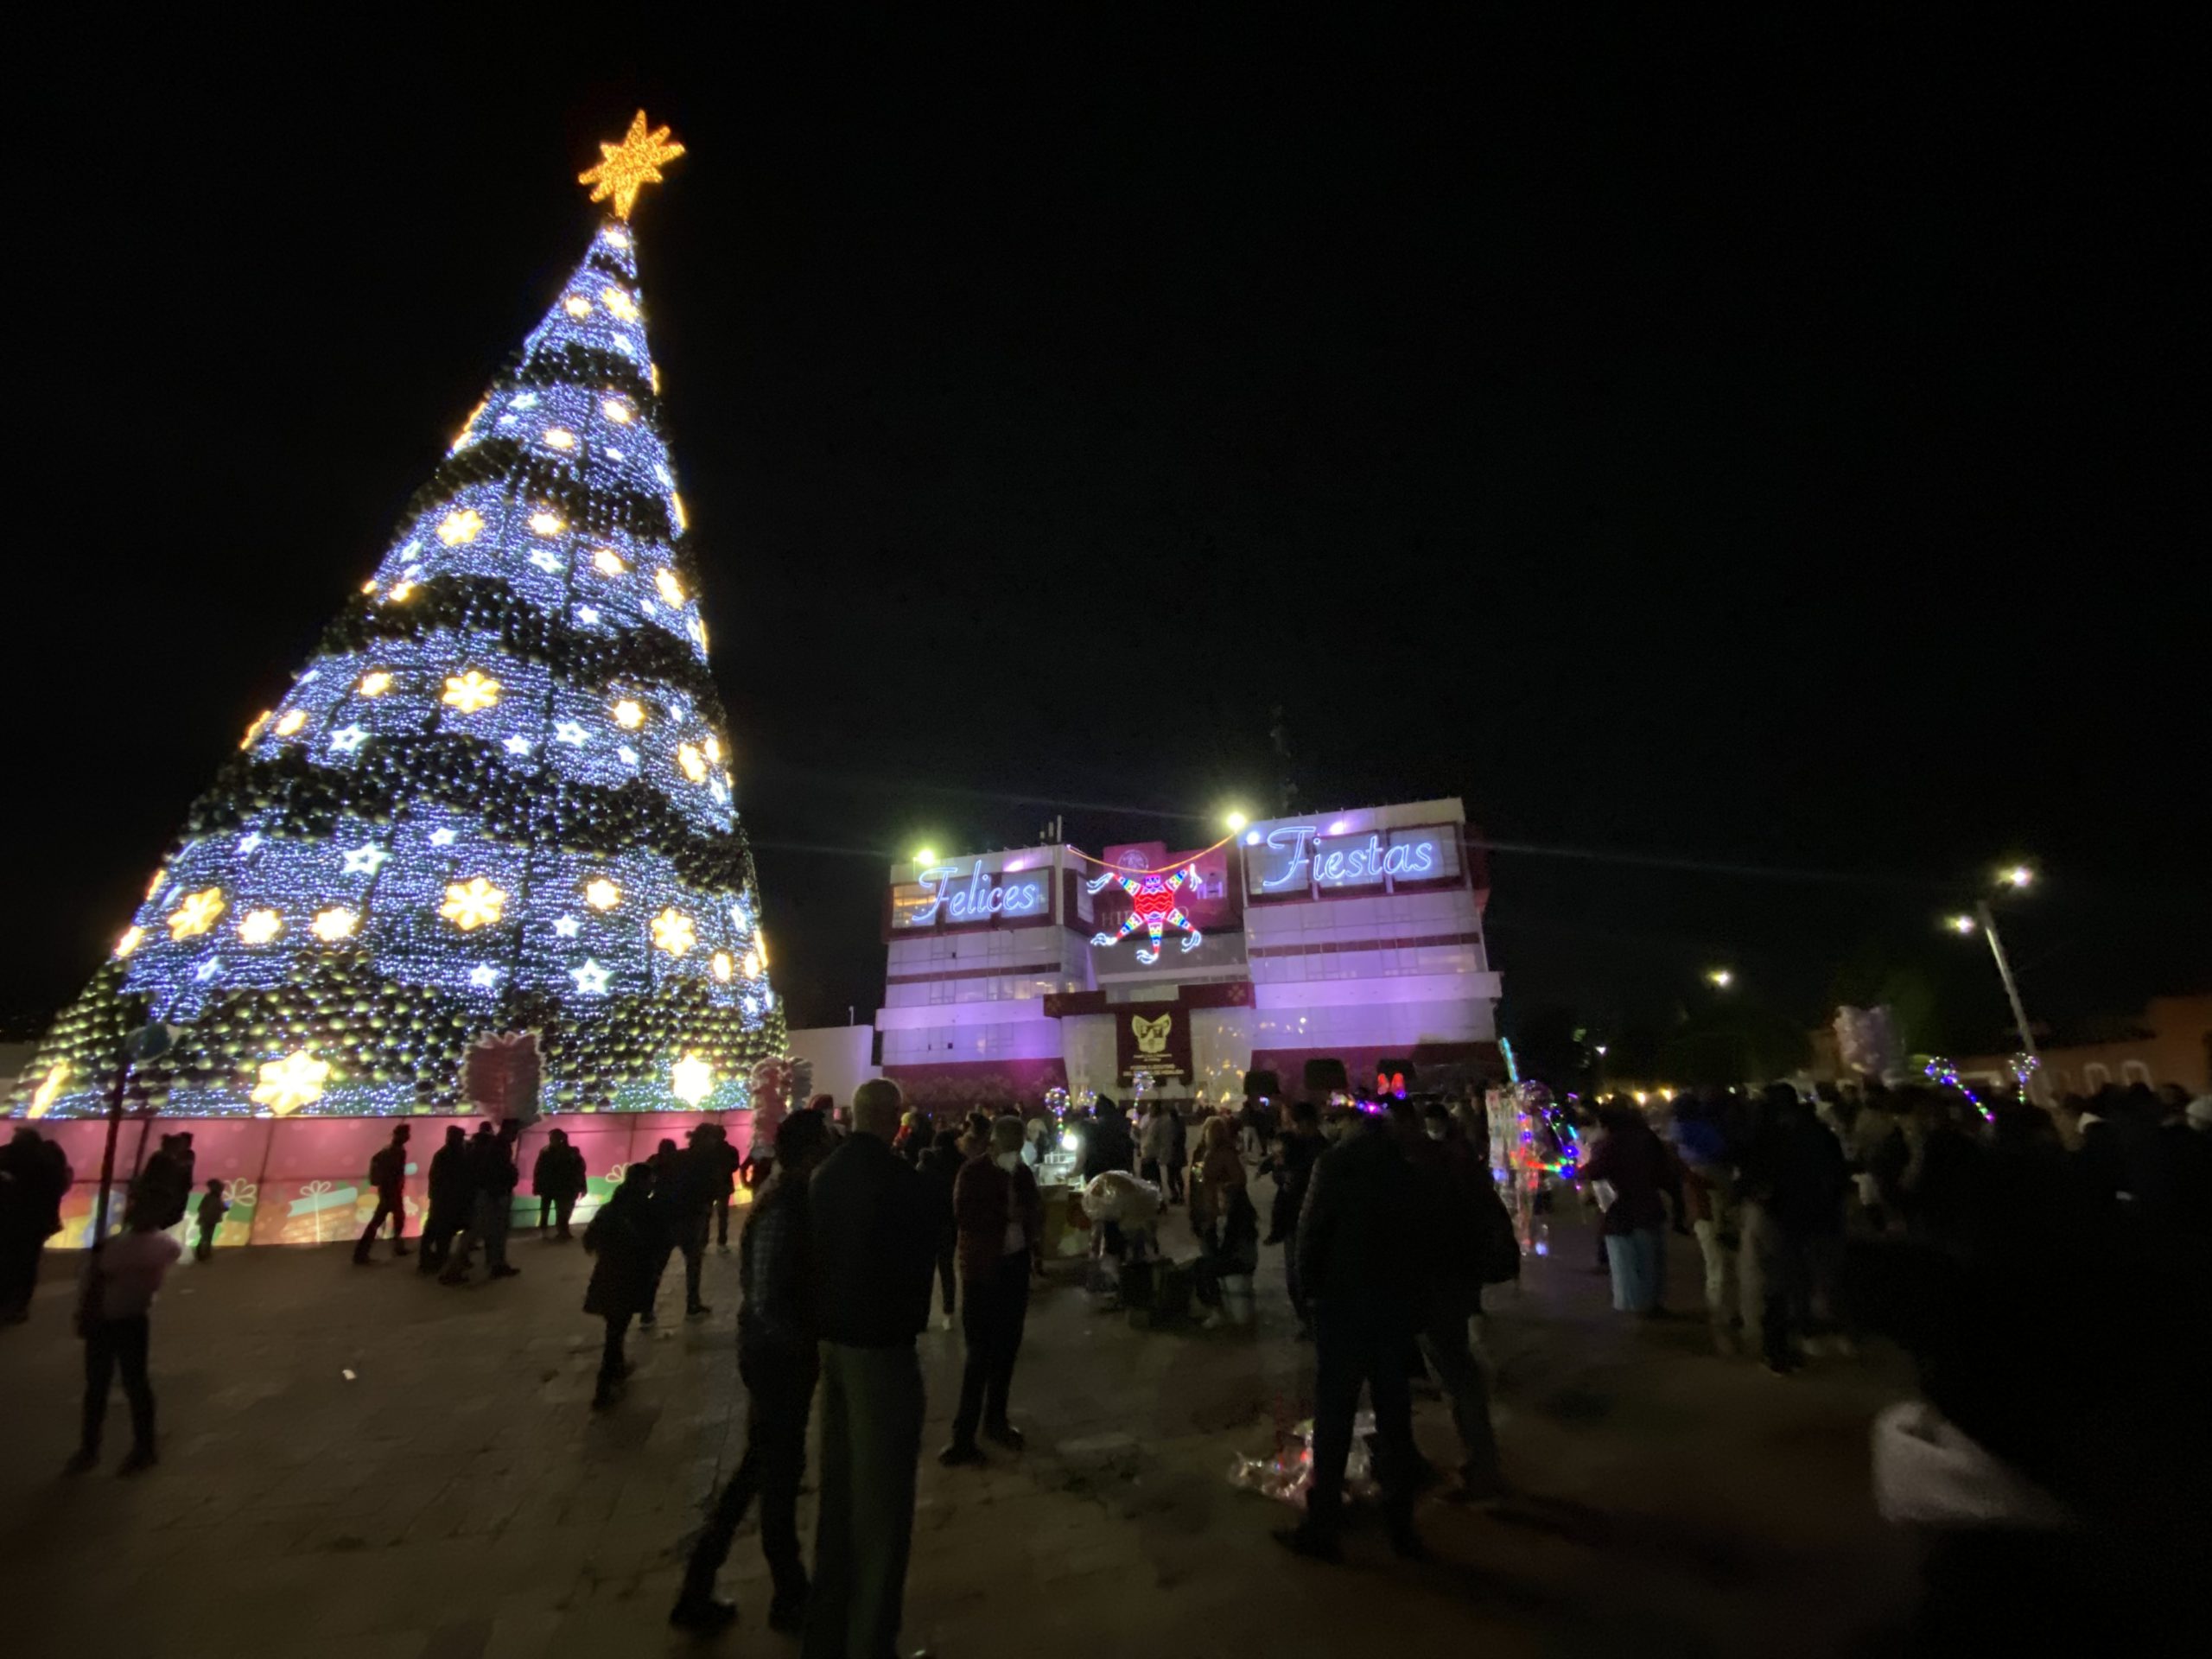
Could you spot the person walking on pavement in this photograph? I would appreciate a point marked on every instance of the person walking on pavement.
(114, 1317)
(493, 1177)
(624, 1242)
(556, 1177)
(451, 1197)
(873, 1240)
(1001, 1230)
(388, 1175)
(777, 1363)
(940, 1170)
(1360, 1263)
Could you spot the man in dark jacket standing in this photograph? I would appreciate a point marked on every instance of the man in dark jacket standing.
(940, 1169)
(388, 1175)
(777, 1362)
(1360, 1260)
(451, 1197)
(1460, 1211)
(691, 1195)
(1295, 1152)
(723, 1161)
(1795, 1177)
(1000, 1217)
(874, 1243)
(492, 1178)
(558, 1180)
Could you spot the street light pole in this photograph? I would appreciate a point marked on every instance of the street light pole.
(1988, 921)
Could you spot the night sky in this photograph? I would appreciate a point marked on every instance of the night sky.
(1758, 471)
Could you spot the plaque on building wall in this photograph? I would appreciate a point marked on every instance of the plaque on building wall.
(1152, 1040)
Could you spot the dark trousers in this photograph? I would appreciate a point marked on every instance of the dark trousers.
(394, 1204)
(693, 1243)
(19, 1255)
(1175, 1176)
(1351, 1348)
(1444, 1345)
(780, 1393)
(721, 1220)
(997, 1309)
(560, 1207)
(1787, 1264)
(946, 1278)
(438, 1232)
(111, 1345)
(1291, 1278)
(612, 1365)
(204, 1246)
(871, 1436)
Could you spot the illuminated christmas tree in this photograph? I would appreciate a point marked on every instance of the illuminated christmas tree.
(498, 798)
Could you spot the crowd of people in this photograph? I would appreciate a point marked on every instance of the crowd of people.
(2022, 1257)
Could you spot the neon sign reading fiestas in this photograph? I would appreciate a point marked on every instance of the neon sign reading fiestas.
(981, 897)
(1305, 858)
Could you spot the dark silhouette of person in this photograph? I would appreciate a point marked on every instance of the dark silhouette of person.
(698, 1173)
(164, 1186)
(1459, 1216)
(723, 1160)
(452, 1195)
(209, 1217)
(627, 1242)
(492, 1176)
(34, 1176)
(874, 1240)
(1000, 1217)
(668, 1163)
(777, 1362)
(939, 1170)
(558, 1179)
(388, 1175)
(1360, 1263)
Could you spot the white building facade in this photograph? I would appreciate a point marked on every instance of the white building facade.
(1353, 935)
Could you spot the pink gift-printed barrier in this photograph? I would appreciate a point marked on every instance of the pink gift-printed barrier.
(305, 1180)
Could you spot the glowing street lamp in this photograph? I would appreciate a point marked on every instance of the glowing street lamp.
(1721, 978)
(1236, 821)
(924, 858)
(2018, 878)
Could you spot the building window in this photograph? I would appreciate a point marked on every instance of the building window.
(2135, 1072)
(2096, 1075)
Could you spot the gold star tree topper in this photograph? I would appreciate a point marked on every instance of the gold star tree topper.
(626, 168)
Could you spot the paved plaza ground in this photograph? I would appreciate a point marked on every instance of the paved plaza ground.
(356, 1462)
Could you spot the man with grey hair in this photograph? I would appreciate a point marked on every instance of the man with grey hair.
(874, 1238)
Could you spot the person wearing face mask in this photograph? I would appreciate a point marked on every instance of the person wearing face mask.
(1000, 1215)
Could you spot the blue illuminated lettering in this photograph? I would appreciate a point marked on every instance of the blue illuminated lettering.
(1305, 859)
(980, 899)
